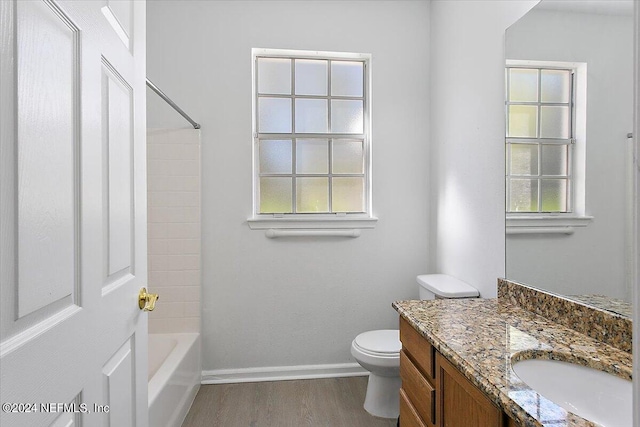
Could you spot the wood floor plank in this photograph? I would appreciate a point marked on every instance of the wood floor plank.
(331, 402)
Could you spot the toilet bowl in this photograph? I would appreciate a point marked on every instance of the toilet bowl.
(379, 351)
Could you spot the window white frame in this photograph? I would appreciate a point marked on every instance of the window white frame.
(563, 223)
(337, 220)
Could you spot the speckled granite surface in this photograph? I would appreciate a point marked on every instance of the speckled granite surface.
(605, 302)
(480, 337)
(602, 325)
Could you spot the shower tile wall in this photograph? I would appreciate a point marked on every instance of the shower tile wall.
(173, 173)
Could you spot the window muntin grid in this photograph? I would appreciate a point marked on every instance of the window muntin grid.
(539, 139)
(325, 115)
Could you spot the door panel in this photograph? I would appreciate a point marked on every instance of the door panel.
(47, 126)
(117, 374)
(41, 276)
(117, 117)
(119, 14)
(71, 418)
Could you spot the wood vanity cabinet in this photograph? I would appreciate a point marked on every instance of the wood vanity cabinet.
(435, 394)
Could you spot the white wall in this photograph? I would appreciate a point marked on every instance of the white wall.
(593, 259)
(297, 302)
(467, 137)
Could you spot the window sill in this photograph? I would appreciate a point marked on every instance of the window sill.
(545, 224)
(312, 225)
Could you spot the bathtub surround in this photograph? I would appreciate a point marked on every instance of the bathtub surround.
(175, 365)
(173, 163)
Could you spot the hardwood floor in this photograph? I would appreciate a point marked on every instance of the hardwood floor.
(332, 402)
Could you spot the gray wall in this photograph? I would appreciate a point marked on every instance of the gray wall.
(467, 136)
(297, 302)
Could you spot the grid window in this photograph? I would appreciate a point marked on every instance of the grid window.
(539, 140)
(311, 135)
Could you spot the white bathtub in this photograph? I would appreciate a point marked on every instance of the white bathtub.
(174, 377)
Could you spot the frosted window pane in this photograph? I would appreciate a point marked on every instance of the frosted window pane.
(312, 156)
(312, 195)
(274, 76)
(523, 121)
(347, 116)
(275, 156)
(554, 122)
(274, 115)
(554, 195)
(347, 78)
(524, 159)
(311, 116)
(524, 195)
(555, 86)
(347, 156)
(275, 195)
(348, 195)
(523, 85)
(554, 159)
(311, 77)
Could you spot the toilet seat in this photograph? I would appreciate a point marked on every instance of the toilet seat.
(380, 343)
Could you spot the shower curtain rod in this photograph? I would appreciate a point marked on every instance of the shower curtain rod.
(168, 100)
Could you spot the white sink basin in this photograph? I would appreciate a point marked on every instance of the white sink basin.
(592, 394)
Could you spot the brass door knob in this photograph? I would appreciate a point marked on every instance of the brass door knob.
(147, 301)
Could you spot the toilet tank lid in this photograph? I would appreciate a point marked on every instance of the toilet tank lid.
(446, 286)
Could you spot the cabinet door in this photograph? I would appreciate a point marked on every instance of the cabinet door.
(421, 351)
(418, 390)
(460, 403)
(408, 415)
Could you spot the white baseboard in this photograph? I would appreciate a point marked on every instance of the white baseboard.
(282, 373)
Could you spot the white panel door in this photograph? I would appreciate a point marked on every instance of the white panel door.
(73, 342)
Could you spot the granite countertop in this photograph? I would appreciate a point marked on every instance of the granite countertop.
(605, 302)
(480, 337)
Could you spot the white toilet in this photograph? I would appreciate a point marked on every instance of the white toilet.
(379, 351)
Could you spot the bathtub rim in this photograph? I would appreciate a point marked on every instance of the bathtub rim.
(186, 340)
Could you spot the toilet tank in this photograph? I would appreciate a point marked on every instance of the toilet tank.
(443, 286)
